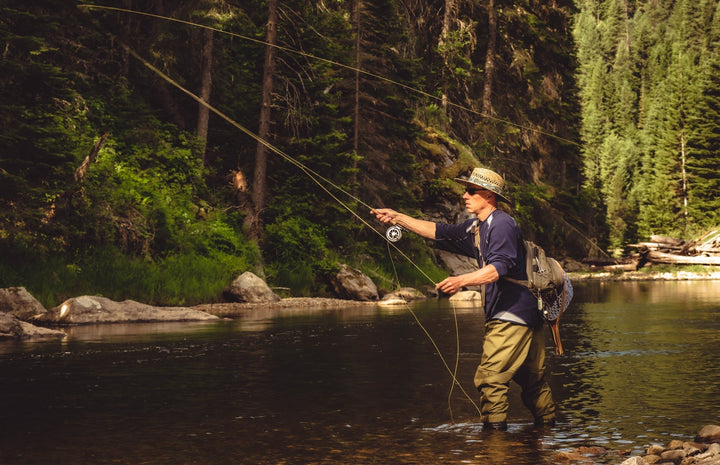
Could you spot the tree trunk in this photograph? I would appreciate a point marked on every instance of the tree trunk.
(205, 89)
(487, 108)
(683, 161)
(259, 193)
(81, 171)
(448, 20)
(356, 135)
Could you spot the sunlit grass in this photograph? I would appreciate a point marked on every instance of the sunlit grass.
(663, 268)
(175, 280)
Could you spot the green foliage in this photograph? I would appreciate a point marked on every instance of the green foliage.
(147, 207)
(674, 269)
(177, 279)
(703, 164)
(142, 200)
(299, 255)
(646, 91)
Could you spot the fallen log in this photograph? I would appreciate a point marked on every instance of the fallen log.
(661, 257)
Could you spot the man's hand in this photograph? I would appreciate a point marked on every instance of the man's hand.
(451, 284)
(484, 275)
(422, 227)
(386, 215)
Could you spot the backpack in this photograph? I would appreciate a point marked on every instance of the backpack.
(550, 285)
(547, 281)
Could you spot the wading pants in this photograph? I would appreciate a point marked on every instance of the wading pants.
(512, 351)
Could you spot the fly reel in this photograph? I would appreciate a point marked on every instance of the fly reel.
(394, 233)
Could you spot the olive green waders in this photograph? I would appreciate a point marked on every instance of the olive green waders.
(513, 351)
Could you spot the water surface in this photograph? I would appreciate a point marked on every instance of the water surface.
(360, 385)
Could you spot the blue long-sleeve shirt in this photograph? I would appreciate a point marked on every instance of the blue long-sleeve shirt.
(501, 245)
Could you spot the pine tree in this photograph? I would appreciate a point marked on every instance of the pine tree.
(703, 164)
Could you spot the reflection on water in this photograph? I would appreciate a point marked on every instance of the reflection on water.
(359, 385)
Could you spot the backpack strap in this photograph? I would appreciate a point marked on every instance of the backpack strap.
(482, 259)
(528, 266)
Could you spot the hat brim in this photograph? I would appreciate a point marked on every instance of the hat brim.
(466, 182)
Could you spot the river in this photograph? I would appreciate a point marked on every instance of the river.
(360, 385)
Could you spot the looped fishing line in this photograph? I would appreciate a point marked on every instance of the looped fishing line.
(317, 178)
(453, 372)
(361, 71)
(366, 73)
(314, 176)
(338, 64)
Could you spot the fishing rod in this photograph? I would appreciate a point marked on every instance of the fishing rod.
(338, 64)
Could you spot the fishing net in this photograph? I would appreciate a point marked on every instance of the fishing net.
(555, 302)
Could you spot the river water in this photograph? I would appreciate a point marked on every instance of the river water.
(360, 385)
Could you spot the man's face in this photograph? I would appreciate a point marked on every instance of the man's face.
(476, 199)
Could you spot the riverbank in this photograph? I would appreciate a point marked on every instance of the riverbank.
(234, 309)
(231, 309)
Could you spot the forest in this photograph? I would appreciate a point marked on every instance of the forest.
(155, 149)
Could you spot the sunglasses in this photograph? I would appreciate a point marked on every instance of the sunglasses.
(474, 190)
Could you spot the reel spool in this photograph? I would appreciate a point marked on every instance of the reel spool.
(394, 233)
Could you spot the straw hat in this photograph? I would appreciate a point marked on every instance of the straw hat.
(486, 179)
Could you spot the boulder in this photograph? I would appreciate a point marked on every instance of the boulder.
(353, 284)
(634, 461)
(92, 309)
(248, 287)
(708, 433)
(672, 455)
(705, 450)
(12, 327)
(654, 449)
(456, 264)
(17, 301)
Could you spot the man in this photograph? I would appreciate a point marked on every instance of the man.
(514, 346)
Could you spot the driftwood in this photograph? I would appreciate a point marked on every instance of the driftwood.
(661, 257)
(670, 241)
(704, 250)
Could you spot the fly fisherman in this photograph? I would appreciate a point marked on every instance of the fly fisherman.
(514, 344)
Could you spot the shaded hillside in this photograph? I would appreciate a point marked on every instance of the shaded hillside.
(436, 94)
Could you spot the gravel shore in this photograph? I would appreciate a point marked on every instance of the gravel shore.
(239, 308)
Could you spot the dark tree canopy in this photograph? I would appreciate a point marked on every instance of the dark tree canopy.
(602, 117)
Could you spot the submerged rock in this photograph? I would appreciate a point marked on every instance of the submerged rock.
(390, 300)
(91, 309)
(402, 296)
